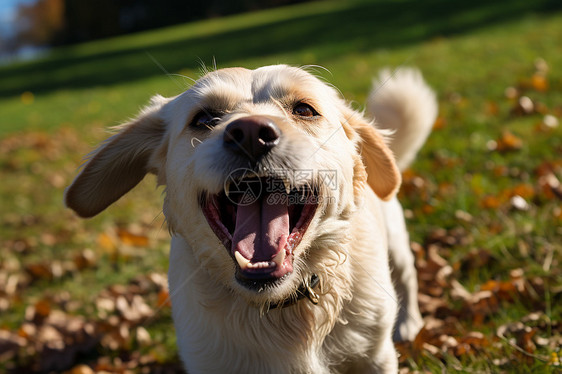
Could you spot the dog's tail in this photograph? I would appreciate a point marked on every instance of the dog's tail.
(402, 102)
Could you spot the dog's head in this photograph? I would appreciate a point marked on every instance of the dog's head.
(263, 170)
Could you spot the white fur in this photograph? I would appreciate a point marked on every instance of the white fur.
(221, 325)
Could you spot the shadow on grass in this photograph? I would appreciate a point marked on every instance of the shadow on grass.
(363, 27)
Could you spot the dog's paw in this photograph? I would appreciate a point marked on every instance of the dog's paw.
(408, 328)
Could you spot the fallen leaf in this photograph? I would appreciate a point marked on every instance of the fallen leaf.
(106, 242)
(554, 359)
(459, 292)
(482, 304)
(508, 142)
(524, 190)
(550, 121)
(539, 82)
(523, 107)
(519, 203)
(42, 308)
(432, 349)
(132, 239)
(550, 186)
(163, 299)
(142, 336)
(490, 202)
(541, 66)
(81, 369)
(39, 271)
(84, 259)
(491, 108)
(511, 93)
(440, 122)
(475, 339)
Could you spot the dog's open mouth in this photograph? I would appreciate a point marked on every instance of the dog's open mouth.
(260, 222)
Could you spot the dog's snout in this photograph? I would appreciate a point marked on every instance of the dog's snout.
(252, 136)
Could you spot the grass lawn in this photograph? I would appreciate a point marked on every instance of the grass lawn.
(483, 200)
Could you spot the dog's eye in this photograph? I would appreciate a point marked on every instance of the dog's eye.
(304, 110)
(204, 119)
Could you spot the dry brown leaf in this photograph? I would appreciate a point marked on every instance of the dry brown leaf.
(523, 106)
(135, 240)
(442, 276)
(550, 186)
(491, 108)
(508, 142)
(554, 359)
(458, 292)
(511, 93)
(143, 337)
(81, 369)
(39, 271)
(430, 305)
(490, 202)
(448, 342)
(9, 340)
(539, 82)
(163, 299)
(432, 349)
(475, 339)
(482, 304)
(106, 242)
(475, 259)
(440, 122)
(50, 337)
(84, 259)
(525, 190)
(549, 121)
(413, 185)
(42, 308)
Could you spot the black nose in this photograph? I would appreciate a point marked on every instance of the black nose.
(251, 136)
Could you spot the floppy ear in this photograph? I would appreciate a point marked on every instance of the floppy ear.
(383, 175)
(120, 163)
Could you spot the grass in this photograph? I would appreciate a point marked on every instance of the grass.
(55, 109)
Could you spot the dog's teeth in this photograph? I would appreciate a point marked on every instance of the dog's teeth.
(280, 258)
(287, 186)
(242, 261)
(261, 265)
(246, 264)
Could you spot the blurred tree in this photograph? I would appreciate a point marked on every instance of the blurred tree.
(40, 23)
(55, 22)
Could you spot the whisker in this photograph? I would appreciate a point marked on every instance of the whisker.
(278, 104)
(182, 76)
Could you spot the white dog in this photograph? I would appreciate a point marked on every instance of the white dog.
(289, 249)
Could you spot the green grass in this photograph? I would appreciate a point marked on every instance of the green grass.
(469, 52)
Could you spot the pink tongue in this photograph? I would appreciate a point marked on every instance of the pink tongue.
(259, 229)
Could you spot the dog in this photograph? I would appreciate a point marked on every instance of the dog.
(289, 250)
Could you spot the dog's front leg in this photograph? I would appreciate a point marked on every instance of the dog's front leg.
(404, 275)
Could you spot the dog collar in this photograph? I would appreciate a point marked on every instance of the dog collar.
(306, 289)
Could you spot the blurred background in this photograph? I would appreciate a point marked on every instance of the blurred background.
(31, 26)
(483, 200)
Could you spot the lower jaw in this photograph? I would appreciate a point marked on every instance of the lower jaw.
(260, 285)
(260, 280)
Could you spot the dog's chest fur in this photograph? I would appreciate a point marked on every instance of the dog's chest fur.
(212, 333)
